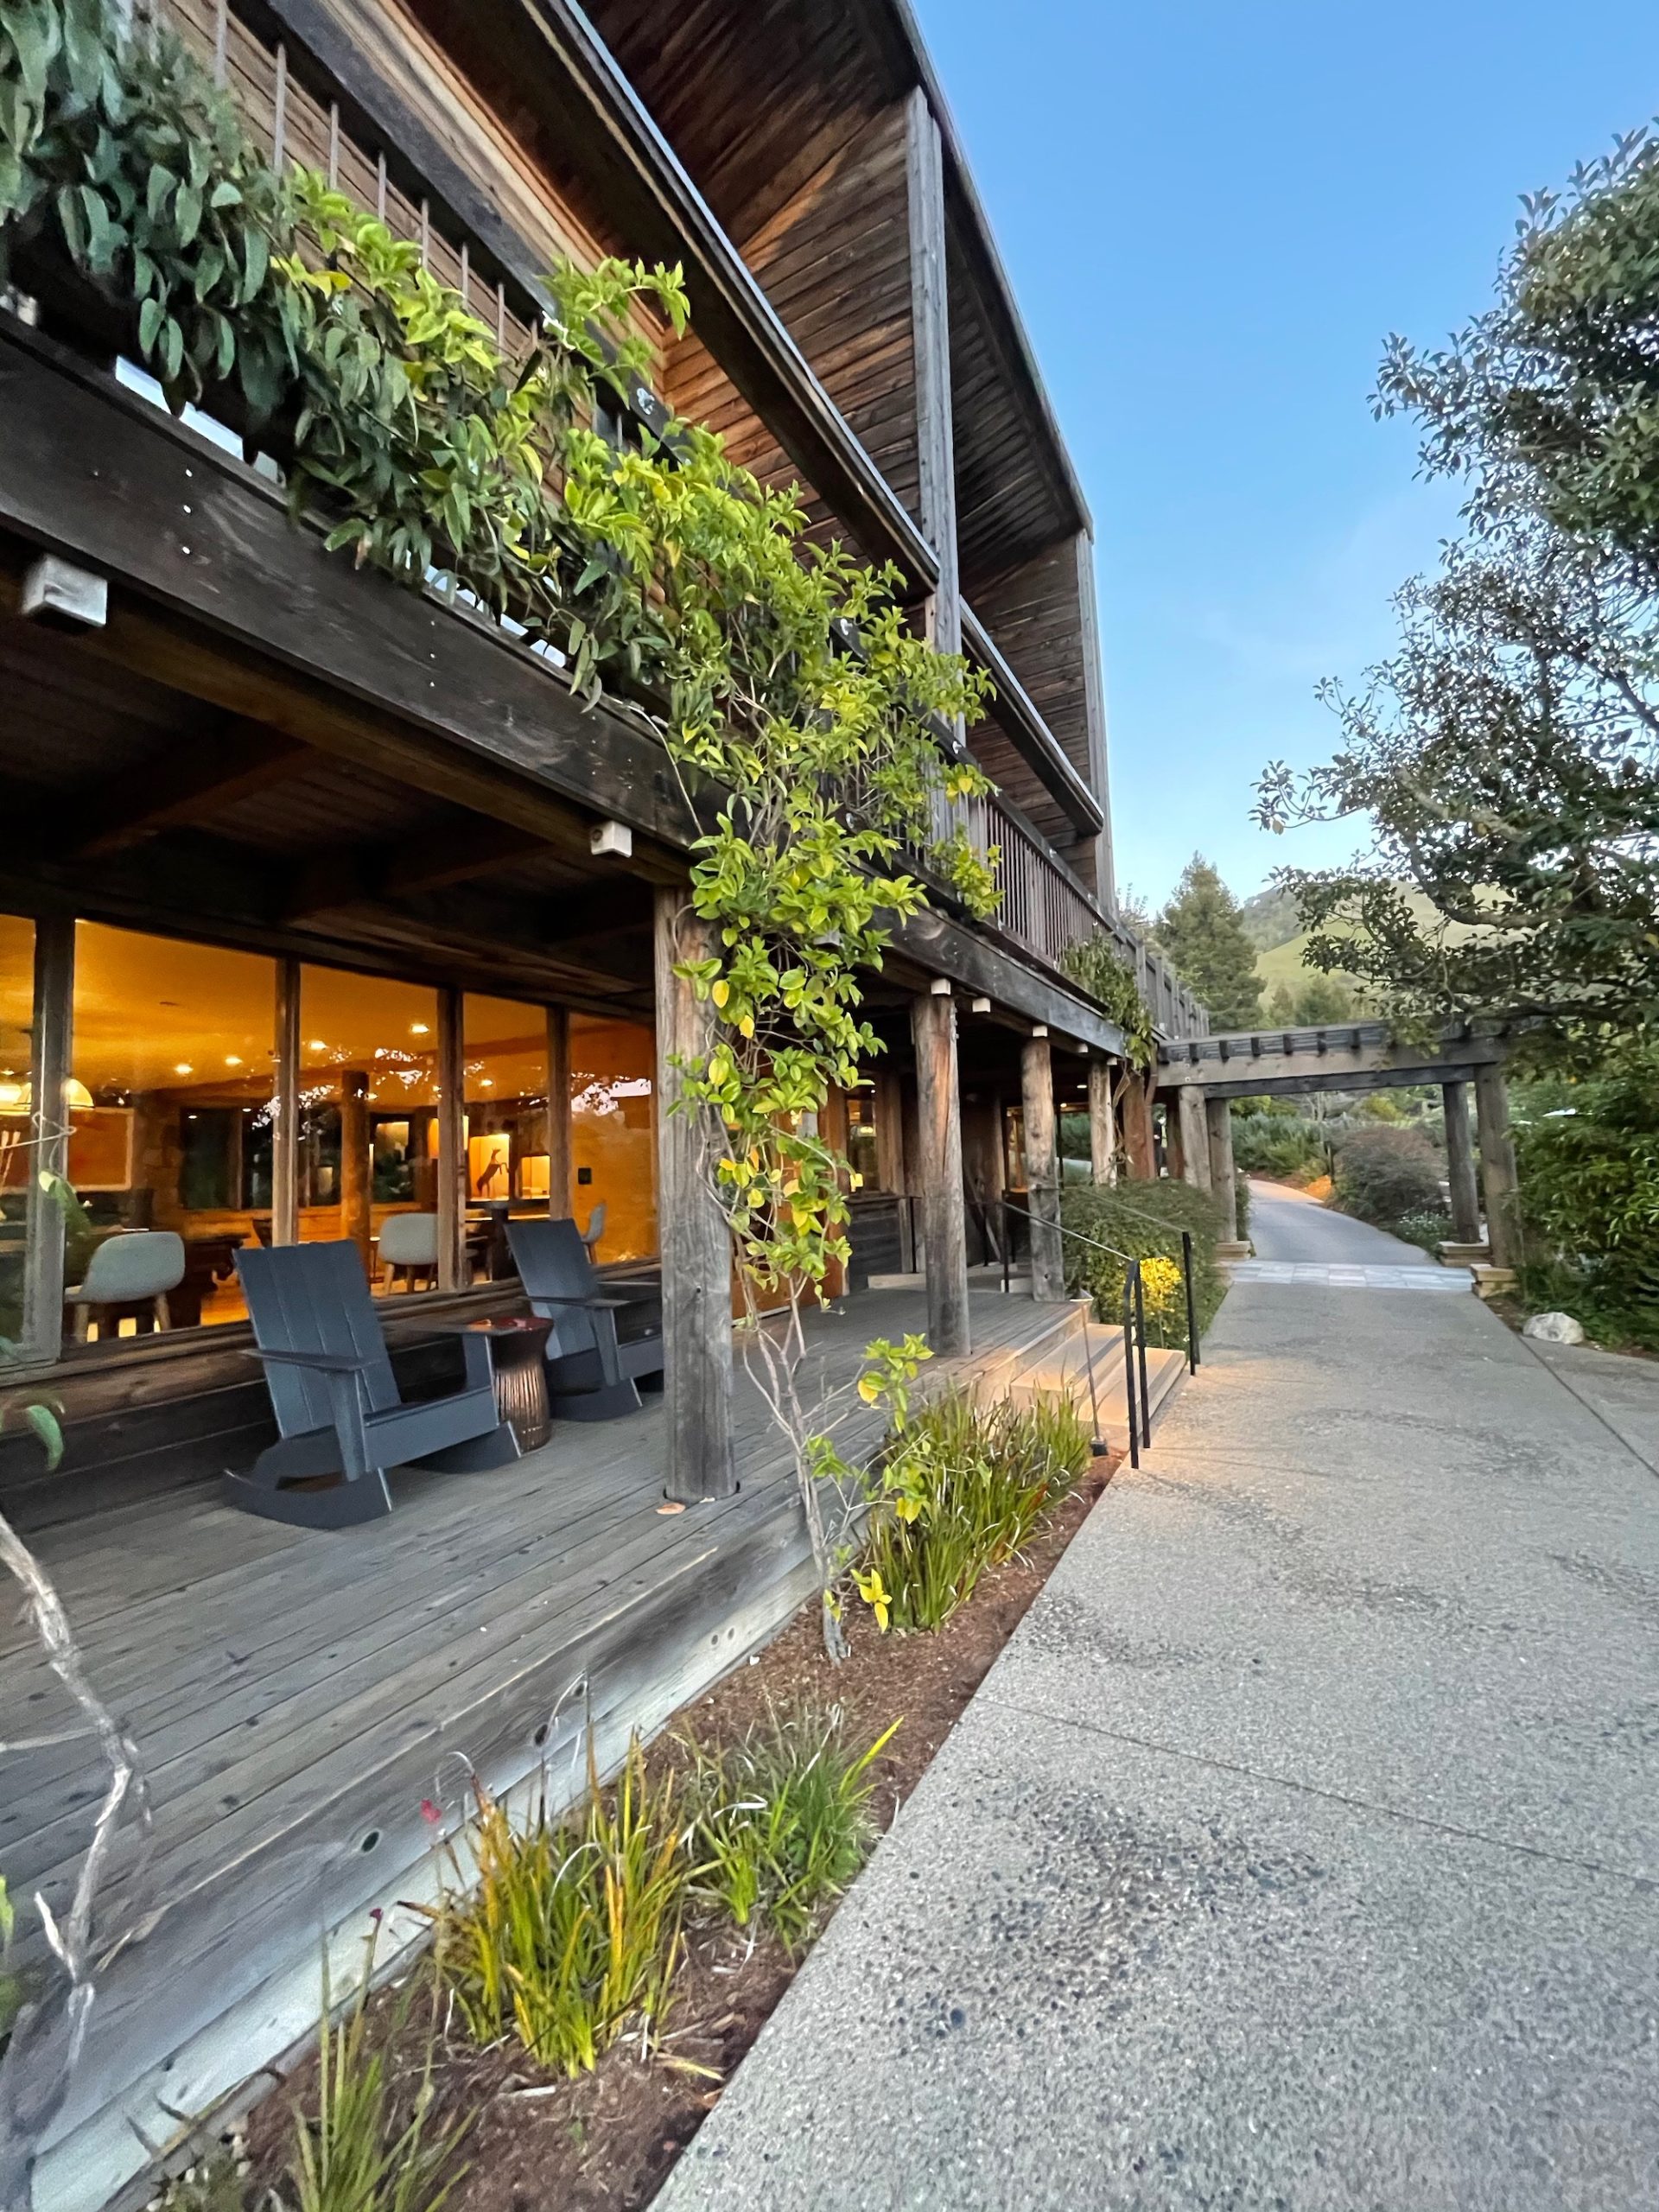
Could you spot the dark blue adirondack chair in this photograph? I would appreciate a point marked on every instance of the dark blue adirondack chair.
(341, 1419)
(607, 1331)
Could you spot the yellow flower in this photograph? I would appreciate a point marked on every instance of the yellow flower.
(874, 1593)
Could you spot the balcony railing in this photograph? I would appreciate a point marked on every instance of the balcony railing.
(1046, 909)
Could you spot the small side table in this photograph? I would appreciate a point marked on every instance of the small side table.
(518, 1354)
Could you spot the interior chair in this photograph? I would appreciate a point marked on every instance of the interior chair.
(129, 1273)
(341, 1421)
(607, 1331)
(596, 1229)
(409, 1249)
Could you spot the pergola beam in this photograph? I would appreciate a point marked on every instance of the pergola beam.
(198, 773)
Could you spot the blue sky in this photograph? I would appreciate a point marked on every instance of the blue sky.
(1213, 216)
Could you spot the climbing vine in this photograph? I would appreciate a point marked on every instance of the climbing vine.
(797, 704)
(1096, 963)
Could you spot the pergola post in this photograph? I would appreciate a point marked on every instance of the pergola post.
(1497, 1173)
(938, 1171)
(1042, 1168)
(697, 1247)
(1140, 1145)
(1460, 1164)
(1224, 1183)
(1103, 1131)
(1195, 1136)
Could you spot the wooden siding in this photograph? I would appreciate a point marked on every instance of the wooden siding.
(295, 1697)
(835, 262)
(1035, 613)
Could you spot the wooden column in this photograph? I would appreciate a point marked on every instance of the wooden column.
(452, 1143)
(1042, 1168)
(1139, 1146)
(938, 1171)
(1103, 1129)
(834, 1128)
(929, 314)
(285, 1109)
(1219, 1115)
(1195, 1137)
(697, 1250)
(356, 1168)
(1497, 1174)
(1460, 1164)
(559, 1170)
(50, 1062)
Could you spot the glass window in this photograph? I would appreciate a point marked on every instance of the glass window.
(612, 1132)
(169, 1119)
(863, 1152)
(505, 1046)
(16, 1045)
(367, 1129)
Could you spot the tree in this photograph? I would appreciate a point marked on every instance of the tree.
(1201, 933)
(1548, 402)
(1508, 754)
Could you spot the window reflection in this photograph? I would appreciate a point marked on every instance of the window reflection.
(367, 1126)
(16, 1015)
(169, 1112)
(612, 1141)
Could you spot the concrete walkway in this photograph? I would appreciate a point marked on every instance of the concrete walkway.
(1286, 1224)
(1299, 1851)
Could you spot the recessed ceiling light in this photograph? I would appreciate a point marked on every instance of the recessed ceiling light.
(183, 1068)
(316, 1046)
(232, 1060)
(418, 1029)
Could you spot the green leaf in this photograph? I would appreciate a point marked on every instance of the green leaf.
(186, 212)
(151, 316)
(45, 1423)
(256, 258)
(158, 185)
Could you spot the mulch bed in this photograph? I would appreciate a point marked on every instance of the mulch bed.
(608, 2140)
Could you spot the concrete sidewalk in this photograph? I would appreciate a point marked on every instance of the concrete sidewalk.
(1300, 1850)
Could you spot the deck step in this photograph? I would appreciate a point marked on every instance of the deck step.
(1064, 1370)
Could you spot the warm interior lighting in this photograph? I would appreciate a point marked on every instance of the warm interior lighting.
(232, 1060)
(419, 1029)
(316, 1045)
(183, 1067)
(15, 1096)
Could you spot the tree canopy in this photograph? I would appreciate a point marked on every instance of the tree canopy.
(1201, 931)
(1507, 751)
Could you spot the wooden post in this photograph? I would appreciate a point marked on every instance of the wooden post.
(1497, 1174)
(834, 1128)
(452, 1143)
(1042, 1169)
(937, 1169)
(1139, 1144)
(696, 1248)
(285, 1109)
(356, 1168)
(1460, 1164)
(558, 1112)
(930, 316)
(1195, 1137)
(1218, 1115)
(1103, 1130)
(48, 1073)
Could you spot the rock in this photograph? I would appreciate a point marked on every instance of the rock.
(1554, 1329)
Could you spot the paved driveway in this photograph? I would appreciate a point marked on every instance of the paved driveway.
(1285, 1224)
(1299, 1853)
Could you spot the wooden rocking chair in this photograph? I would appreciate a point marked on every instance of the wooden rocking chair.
(341, 1419)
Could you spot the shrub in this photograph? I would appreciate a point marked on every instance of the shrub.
(1279, 1144)
(1383, 1174)
(961, 1488)
(573, 1929)
(1429, 1229)
(1143, 1220)
(782, 1819)
(1590, 1192)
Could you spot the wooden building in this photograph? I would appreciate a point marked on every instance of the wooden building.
(321, 902)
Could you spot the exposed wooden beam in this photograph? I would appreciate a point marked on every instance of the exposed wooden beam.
(454, 852)
(196, 774)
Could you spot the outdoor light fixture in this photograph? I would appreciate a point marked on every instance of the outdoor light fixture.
(607, 838)
(65, 597)
(1041, 1029)
(981, 1006)
(940, 986)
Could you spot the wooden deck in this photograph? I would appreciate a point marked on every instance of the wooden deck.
(296, 1696)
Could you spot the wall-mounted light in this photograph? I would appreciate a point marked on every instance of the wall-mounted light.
(981, 1006)
(611, 839)
(58, 594)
